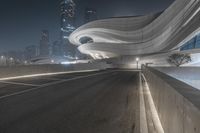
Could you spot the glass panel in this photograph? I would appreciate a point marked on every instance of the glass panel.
(197, 41)
(189, 45)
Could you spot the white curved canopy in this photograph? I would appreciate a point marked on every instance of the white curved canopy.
(140, 35)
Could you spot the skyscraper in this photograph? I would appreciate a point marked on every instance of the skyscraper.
(90, 15)
(67, 26)
(67, 18)
(57, 49)
(44, 43)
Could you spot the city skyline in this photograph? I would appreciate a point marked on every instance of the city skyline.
(100, 66)
(45, 14)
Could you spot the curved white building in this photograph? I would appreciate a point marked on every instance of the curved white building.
(140, 35)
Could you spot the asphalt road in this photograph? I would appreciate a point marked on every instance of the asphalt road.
(92, 102)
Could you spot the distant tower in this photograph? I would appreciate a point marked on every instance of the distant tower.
(67, 18)
(57, 49)
(67, 26)
(44, 43)
(90, 15)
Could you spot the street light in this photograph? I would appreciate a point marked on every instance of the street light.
(52, 61)
(2, 57)
(25, 62)
(137, 60)
(11, 60)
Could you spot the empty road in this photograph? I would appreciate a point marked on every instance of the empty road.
(89, 102)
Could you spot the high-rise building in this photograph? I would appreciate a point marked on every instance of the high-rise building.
(90, 15)
(67, 18)
(67, 26)
(57, 49)
(44, 43)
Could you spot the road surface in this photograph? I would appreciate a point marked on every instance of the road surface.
(90, 102)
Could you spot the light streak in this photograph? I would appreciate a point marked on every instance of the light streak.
(44, 74)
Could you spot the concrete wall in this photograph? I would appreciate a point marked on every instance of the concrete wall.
(189, 75)
(177, 103)
(38, 69)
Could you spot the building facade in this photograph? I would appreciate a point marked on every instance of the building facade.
(67, 18)
(177, 27)
(44, 43)
(67, 26)
(57, 48)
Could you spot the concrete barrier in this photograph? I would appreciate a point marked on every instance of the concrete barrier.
(189, 75)
(38, 69)
(177, 103)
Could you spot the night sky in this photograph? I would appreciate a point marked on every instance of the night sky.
(22, 20)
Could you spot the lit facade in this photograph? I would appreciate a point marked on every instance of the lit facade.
(67, 18)
(67, 26)
(57, 49)
(150, 34)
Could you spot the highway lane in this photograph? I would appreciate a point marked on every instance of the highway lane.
(15, 85)
(106, 102)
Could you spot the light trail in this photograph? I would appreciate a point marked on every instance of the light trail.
(44, 74)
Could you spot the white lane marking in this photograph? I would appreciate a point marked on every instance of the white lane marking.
(143, 118)
(155, 117)
(45, 74)
(17, 83)
(54, 83)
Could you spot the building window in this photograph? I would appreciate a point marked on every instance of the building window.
(197, 41)
(191, 44)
